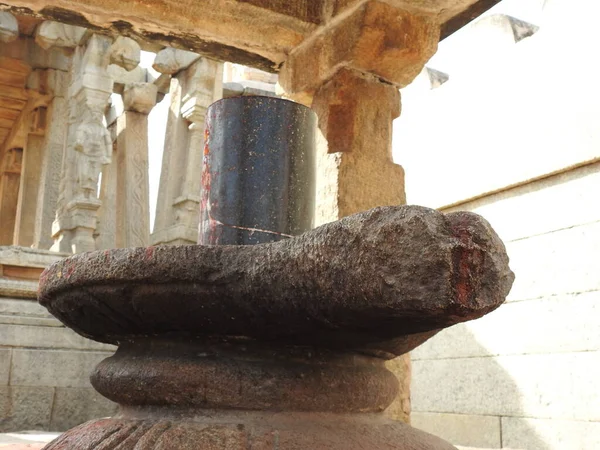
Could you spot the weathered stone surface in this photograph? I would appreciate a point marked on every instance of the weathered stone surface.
(40, 334)
(55, 34)
(460, 273)
(172, 60)
(526, 433)
(32, 367)
(544, 273)
(355, 170)
(18, 288)
(125, 52)
(9, 27)
(5, 356)
(22, 308)
(259, 33)
(376, 38)
(564, 323)
(25, 408)
(558, 386)
(140, 97)
(253, 431)
(74, 406)
(132, 215)
(191, 91)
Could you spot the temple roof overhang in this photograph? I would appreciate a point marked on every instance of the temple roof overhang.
(258, 33)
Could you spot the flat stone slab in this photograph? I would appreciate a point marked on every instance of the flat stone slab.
(379, 282)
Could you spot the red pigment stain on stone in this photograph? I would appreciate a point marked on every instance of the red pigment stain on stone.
(70, 270)
(149, 252)
(465, 256)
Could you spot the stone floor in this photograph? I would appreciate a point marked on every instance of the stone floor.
(25, 440)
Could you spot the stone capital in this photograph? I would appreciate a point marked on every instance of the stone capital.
(125, 52)
(9, 27)
(140, 97)
(172, 60)
(378, 38)
(55, 34)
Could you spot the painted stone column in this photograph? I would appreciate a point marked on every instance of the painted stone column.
(177, 212)
(132, 198)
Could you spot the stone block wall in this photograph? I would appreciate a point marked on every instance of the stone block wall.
(526, 376)
(44, 371)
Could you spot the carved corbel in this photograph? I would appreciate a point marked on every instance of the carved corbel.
(55, 34)
(9, 27)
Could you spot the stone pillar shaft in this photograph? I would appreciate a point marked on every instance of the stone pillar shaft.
(54, 142)
(9, 193)
(133, 215)
(177, 212)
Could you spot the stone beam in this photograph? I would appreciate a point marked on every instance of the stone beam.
(258, 33)
(237, 31)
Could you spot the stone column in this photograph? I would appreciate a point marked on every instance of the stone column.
(106, 231)
(87, 149)
(88, 146)
(352, 83)
(192, 91)
(10, 178)
(56, 83)
(132, 198)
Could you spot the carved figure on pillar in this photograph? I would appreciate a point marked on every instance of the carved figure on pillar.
(93, 149)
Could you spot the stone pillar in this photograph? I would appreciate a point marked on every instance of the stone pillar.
(132, 198)
(28, 191)
(88, 148)
(54, 140)
(352, 83)
(10, 166)
(192, 91)
(106, 232)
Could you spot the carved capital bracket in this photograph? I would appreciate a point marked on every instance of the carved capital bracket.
(376, 38)
(125, 52)
(55, 34)
(140, 97)
(9, 27)
(172, 60)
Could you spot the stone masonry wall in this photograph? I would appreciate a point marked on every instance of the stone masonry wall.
(526, 376)
(44, 371)
(513, 135)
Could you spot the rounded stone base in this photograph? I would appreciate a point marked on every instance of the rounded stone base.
(247, 431)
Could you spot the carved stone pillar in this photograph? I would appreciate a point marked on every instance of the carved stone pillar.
(106, 232)
(192, 91)
(132, 198)
(10, 178)
(55, 83)
(87, 149)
